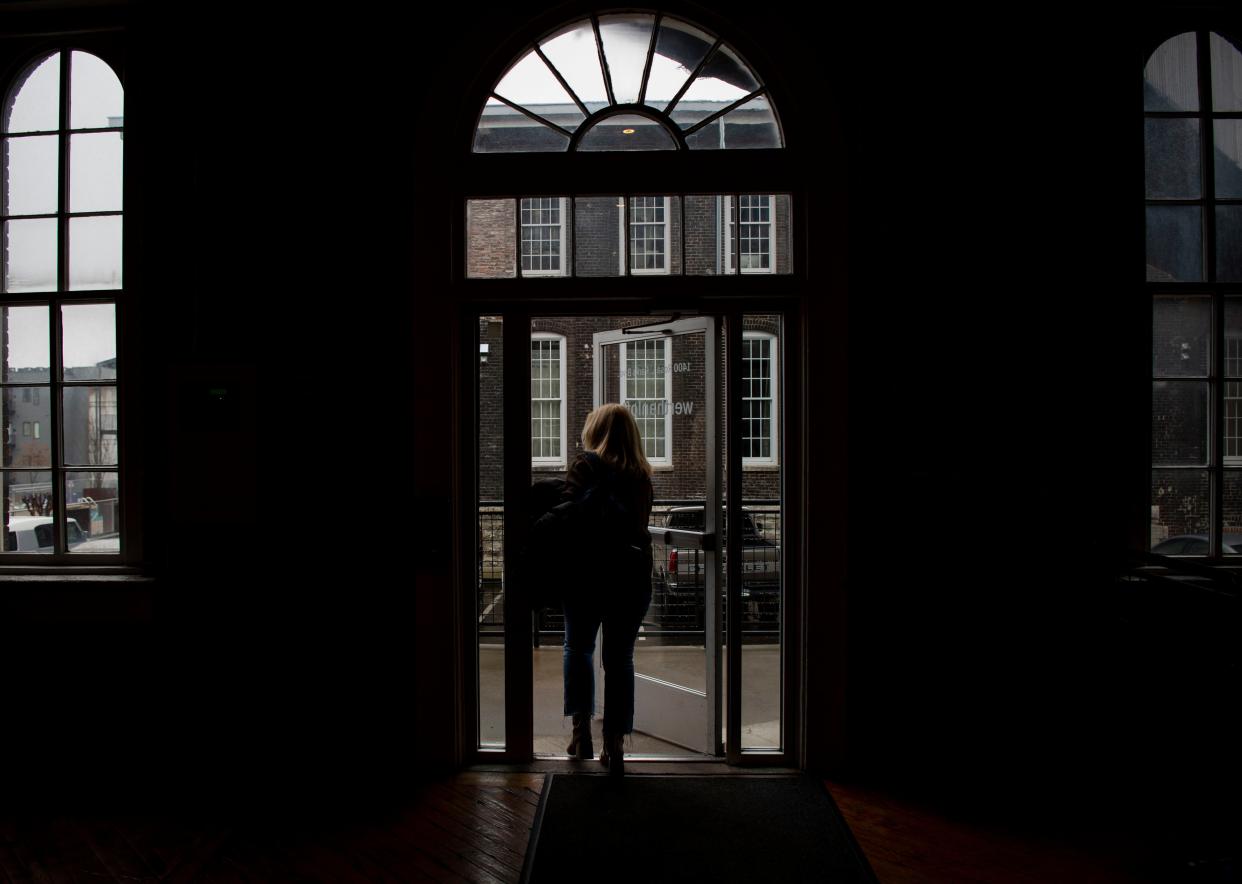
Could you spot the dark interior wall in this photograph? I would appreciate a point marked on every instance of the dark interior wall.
(977, 350)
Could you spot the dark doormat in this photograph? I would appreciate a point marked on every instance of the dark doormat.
(691, 828)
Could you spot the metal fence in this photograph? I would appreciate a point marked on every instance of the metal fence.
(677, 612)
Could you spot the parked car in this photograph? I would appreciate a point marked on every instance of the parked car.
(1197, 545)
(680, 569)
(34, 534)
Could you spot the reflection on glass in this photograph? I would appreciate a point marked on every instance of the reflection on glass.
(505, 130)
(1180, 503)
(626, 39)
(723, 80)
(93, 504)
(95, 165)
(575, 55)
(1229, 243)
(627, 132)
(1180, 336)
(598, 236)
(27, 357)
(96, 98)
(762, 578)
(489, 239)
(27, 511)
(680, 49)
(90, 426)
(1233, 337)
(1170, 79)
(34, 101)
(753, 125)
(1232, 485)
(27, 413)
(1172, 158)
(1179, 411)
(1228, 160)
(95, 253)
(1226, 74)
(88, 336)
(1174, 244)
(490, 561)
(31, 265)
(30, 171)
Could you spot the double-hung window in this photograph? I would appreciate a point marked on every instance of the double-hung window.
(543, 236)
(759, 402)
(60, 299)
(547, 400)
(754, 246)
(646, 391)
(649, 223)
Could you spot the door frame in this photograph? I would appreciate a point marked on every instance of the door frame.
(519, 677)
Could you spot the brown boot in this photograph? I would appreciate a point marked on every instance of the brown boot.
(612, 755)
(580, 746)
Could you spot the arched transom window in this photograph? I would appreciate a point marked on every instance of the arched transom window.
(629, 81)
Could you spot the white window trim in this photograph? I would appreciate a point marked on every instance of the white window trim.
(560, 460)
(774, 377)
(667, 460)
(627, 225)
(730, 227)
(564, 269)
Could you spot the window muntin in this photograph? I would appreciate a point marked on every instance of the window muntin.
(645, 390)
(662, 70)
(61, 203)
(547, 399)
(759, 398)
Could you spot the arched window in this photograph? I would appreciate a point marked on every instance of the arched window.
(61, 275)
(1192, 102)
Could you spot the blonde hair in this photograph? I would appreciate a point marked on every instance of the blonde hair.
(612, 433)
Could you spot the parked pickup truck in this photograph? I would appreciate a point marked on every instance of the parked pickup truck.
(679, 570)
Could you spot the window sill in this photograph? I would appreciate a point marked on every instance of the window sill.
(67, 595)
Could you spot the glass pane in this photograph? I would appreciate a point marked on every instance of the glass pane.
(715, 242)
(1229, 243)
(1179, 412)
(761, 532)
(1226, 74)
(505, 130)
(655, 235)
(627, 132)
(599, 239)
(1174, 244)
(530, 84)
(575, 54)
(1228, 158)
(724, 80)
(28, 426)
(88, 335)
(34, 101)
(30, 255)
(30, 173)
(1232, 539)
(28, 511)
(1170, 80)
(95, 253)
(96, 99)
(679, 50)
(90, 426)
(490, 561)
(1179, 506)
(93, 503)
(753, 125)
(545, 240)
(1180, 336)
(1233, 337)
(26, 358)
(1172, 158)
(489, 239)
(626, 39)
(95, 172)
(709, 220)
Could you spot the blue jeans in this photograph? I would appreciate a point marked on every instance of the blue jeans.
(621, 613)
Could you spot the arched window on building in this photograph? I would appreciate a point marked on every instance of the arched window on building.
(1192, 103)
(62, 290)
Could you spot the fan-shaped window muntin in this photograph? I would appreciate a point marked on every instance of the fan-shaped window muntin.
(61, 211)
(662, 75)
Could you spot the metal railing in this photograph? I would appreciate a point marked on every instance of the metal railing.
(677, 611)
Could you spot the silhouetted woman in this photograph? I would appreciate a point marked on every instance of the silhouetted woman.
(611, 482)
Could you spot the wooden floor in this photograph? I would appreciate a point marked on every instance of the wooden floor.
(475, 827)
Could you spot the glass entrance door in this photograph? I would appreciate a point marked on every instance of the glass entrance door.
(668, 375)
